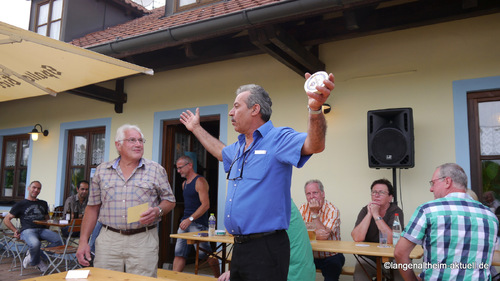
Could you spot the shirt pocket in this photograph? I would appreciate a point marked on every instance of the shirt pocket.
(108, 192)
(144, 191)
(256, 166)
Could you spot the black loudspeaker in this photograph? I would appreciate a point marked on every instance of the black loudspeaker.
(390, 138)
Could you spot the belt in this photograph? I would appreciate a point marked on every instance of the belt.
(239, 239)
(129, 231)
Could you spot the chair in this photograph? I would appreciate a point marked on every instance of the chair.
(65, 253)
(15, 247)
(59, 212)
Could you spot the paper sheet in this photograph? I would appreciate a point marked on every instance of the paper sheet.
(134, 213)
(78, 274)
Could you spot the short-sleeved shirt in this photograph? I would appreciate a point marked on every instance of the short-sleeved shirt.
(73, 205)
(302, 266)
(457, 233)
(28, 211)
(264, 186)
(372, 234)
(330, 217)
(148, 183)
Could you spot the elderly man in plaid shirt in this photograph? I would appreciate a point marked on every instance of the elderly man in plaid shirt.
(458, 233)
(326, 220)
(125, 182)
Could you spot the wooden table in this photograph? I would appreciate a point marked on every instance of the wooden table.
(345, 247)
(56, 223)
(99, 274)
(496, 259)
(363, 248)
(196, 239)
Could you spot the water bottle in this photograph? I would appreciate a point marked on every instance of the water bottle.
(396, 230)
(211, 225)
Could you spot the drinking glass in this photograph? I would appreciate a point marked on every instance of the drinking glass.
(311, 231)
(51, 211)
(383, 240)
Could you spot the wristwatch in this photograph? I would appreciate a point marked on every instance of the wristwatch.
(314, 111)
(191, 219)
(161, 211)
(378, 219)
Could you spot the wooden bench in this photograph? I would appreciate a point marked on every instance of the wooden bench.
(181, 276)
(346, 270)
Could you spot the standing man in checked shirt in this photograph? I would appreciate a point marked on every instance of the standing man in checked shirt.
(456, 231)
(125, 182)
(326, 220)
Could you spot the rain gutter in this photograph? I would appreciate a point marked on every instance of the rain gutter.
(227, 22)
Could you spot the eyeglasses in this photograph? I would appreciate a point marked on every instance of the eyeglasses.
(431, 182)
(381, 192)
(244, 156)
(178, 168)
(134, 140)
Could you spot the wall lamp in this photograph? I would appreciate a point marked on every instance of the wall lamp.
(34, 133)
(326, 108)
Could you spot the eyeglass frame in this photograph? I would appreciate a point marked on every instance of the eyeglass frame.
(244, 155)
(134, 140)
(178, 168)
(432, 182)
(381, 192)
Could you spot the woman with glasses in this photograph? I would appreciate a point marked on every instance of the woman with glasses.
(375, 217)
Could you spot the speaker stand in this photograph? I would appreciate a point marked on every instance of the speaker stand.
(394, 186)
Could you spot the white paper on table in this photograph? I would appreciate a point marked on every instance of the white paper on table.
(79, 274)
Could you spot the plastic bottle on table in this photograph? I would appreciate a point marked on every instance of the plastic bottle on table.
(211, 225)
(396, 230)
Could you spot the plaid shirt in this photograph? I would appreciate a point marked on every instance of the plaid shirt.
(147, 184)
(456, 233)
(330, 217)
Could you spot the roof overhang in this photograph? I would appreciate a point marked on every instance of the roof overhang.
(33, 65)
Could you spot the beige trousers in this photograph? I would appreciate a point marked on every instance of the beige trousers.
(136, 254)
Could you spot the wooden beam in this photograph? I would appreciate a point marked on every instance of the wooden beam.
(116, 97)
(283, 47)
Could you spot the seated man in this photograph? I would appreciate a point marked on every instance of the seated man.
(377, 216)
(326, 219)
(458, 234)
(76, 204)
(27, 211)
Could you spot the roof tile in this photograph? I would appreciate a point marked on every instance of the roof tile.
(155, 20)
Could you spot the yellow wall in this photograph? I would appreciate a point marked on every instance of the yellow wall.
(410, 68)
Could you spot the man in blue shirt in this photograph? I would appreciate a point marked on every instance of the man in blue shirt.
(259, 171)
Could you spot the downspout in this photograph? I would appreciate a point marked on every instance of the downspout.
(222, 23)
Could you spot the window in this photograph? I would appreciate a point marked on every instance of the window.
(182, 5)
(15, 156)
(85, 153)
(49, 18)
(484, 138)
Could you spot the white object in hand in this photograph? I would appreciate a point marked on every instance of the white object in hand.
(315, 80)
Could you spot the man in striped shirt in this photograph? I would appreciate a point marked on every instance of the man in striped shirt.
(326, 220)
(458, 233)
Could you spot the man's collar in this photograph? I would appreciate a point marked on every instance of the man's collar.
(117, 161)
(261, 132)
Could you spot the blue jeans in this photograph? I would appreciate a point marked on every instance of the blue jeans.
(331, 267)
(33, 237)
(182, 248)
(93, 237)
